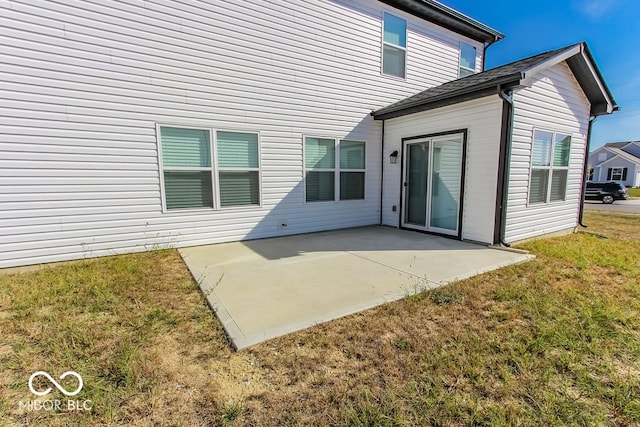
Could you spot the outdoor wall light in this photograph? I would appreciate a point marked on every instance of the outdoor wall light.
(393, 157)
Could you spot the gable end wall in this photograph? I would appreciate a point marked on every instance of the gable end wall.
(554, 102)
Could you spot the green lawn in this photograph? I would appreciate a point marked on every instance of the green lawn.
(633, 192)
(555, 341)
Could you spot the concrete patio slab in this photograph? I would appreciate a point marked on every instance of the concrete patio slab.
(261, 289)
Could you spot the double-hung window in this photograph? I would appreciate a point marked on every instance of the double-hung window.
(617, 174)
(352, 170)
(549, 167)
(394, 45)
(238, 168)
(193, 177)
(334, 167)
(467, 60)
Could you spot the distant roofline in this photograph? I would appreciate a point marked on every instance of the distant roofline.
(617, 144)
(624, 154)
(449, 18)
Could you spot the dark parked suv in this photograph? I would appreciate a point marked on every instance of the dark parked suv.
(605, 191)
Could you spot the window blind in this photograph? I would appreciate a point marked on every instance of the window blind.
(185, 147)
(237, 150)
(239, 188)
(188, 189)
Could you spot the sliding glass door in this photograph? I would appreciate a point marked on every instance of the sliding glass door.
(432, 183)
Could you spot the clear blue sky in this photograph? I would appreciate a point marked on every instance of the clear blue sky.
(611, 28)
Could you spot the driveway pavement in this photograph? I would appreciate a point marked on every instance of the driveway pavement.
(261, 289)
(631, 206)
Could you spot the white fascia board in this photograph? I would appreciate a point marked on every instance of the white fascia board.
(577, 49)
(598, 81)
(530, 73)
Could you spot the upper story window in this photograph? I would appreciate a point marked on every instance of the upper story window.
(394, 46)
(549, 167)
(467, 60)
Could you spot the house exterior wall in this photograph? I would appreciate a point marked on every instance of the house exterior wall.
(482, 119)
(598, 156)
(554, 102)
(619, 162)
(84, 84)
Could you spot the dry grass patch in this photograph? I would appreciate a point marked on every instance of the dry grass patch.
(555, 341)
(612, 224)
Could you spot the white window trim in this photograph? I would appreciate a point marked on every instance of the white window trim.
(550, 168)
(339, 169)
(475, 60)
(405, 48)
(614, 173)
(336, 170)
(214, 169)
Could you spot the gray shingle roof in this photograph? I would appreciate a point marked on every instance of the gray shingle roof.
(617, 144)
(473, 86)
(624, 154)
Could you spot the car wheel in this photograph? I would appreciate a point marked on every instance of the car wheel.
(607, 200)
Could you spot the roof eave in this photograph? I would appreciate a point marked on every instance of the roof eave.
(467, 94)
(592, 82)
(448, 18)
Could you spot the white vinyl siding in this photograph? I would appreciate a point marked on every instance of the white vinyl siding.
(482, 119)
(555, 102)
(84, 83)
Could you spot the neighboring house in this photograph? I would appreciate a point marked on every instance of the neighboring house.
(616, 161)
(128, 126)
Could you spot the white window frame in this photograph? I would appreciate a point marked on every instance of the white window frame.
(404, 48)
(549, 168)
(347, 170)
(336, 170)
(214, 168)
(475, 59)
(614, 173)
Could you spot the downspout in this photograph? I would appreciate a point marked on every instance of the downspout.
(382, 171)
(484, 52)
(592, 120)
(502, 190)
